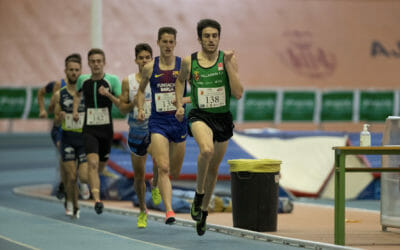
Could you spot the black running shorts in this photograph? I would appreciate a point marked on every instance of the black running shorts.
(95, 143)
(221, 124)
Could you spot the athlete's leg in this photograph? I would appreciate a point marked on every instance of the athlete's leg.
(70, 183)
(154, 181)
(160, 149)
(203, 136)
(212, 173)
(176, 156)
(83, 172)
(138, 165)
(94, 180)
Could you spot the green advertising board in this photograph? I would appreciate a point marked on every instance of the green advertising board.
(12, 102)
(298, 106)
(376, 106)
(337, 106)
(259, 105)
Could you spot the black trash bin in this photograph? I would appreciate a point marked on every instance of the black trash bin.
(255, 190)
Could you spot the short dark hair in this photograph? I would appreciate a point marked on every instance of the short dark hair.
(75, 57)
(143, 46)
(204, 23)
(168, 30)
(96, 51)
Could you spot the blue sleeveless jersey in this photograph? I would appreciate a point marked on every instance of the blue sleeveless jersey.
(163, 82)
(63, 83)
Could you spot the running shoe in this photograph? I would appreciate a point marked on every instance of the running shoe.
(201, 226)
(77, 213)
(170, 218)
(98, 207)
(60, 193)
(155, 196)
(195, 210)
(69, 210)
(84, 191)
(142, 219)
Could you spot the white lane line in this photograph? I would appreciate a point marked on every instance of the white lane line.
(18, 243)
(89, 228)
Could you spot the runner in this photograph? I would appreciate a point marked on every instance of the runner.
(72, 149)
(98, 90)
(213, 76)
(168, 136)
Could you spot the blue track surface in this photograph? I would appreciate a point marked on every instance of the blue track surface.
(29, 223)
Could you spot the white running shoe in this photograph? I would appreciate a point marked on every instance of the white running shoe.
(77, 213)
(69, 210)
(84, 191)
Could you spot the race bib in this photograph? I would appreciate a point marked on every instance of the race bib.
(146, 108)
(211, 97)
(164, 102)
(99, 116)
(70, 123)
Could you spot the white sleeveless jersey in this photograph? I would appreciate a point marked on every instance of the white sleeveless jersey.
(133, 89)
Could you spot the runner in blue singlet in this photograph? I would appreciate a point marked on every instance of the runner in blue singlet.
(168, 135)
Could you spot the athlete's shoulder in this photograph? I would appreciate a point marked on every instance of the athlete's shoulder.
(84, 77)
(187, 60)
(111, 76)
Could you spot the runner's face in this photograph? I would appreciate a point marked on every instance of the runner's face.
(167, 44)
(209, 40)
(96, 63)
(73, 71)
(142, 58)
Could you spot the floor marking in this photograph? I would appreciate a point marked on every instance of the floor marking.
(89, 228)
(18, 243)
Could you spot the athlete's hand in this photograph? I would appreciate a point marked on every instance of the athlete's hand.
(141, 115)
(75, 115)
(104, 91)
(180, 113)
(229, 54)
(230, 59)
(43, 114)
(62, 115)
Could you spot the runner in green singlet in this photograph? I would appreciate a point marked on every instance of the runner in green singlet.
(213, 77)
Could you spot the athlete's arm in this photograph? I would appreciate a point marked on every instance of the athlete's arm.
(57, 86)
(146, 74)
(40, 98)
(232, 70)
(125, 106)
(58, 114)
(184, 74)
(75, 105)
(105, 92)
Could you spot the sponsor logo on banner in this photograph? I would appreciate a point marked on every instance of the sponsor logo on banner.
(378, 49)
(306, 58)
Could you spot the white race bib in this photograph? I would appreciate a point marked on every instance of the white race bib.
(97, 116)
(70, 123)
(164, 102)
(211, 97)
